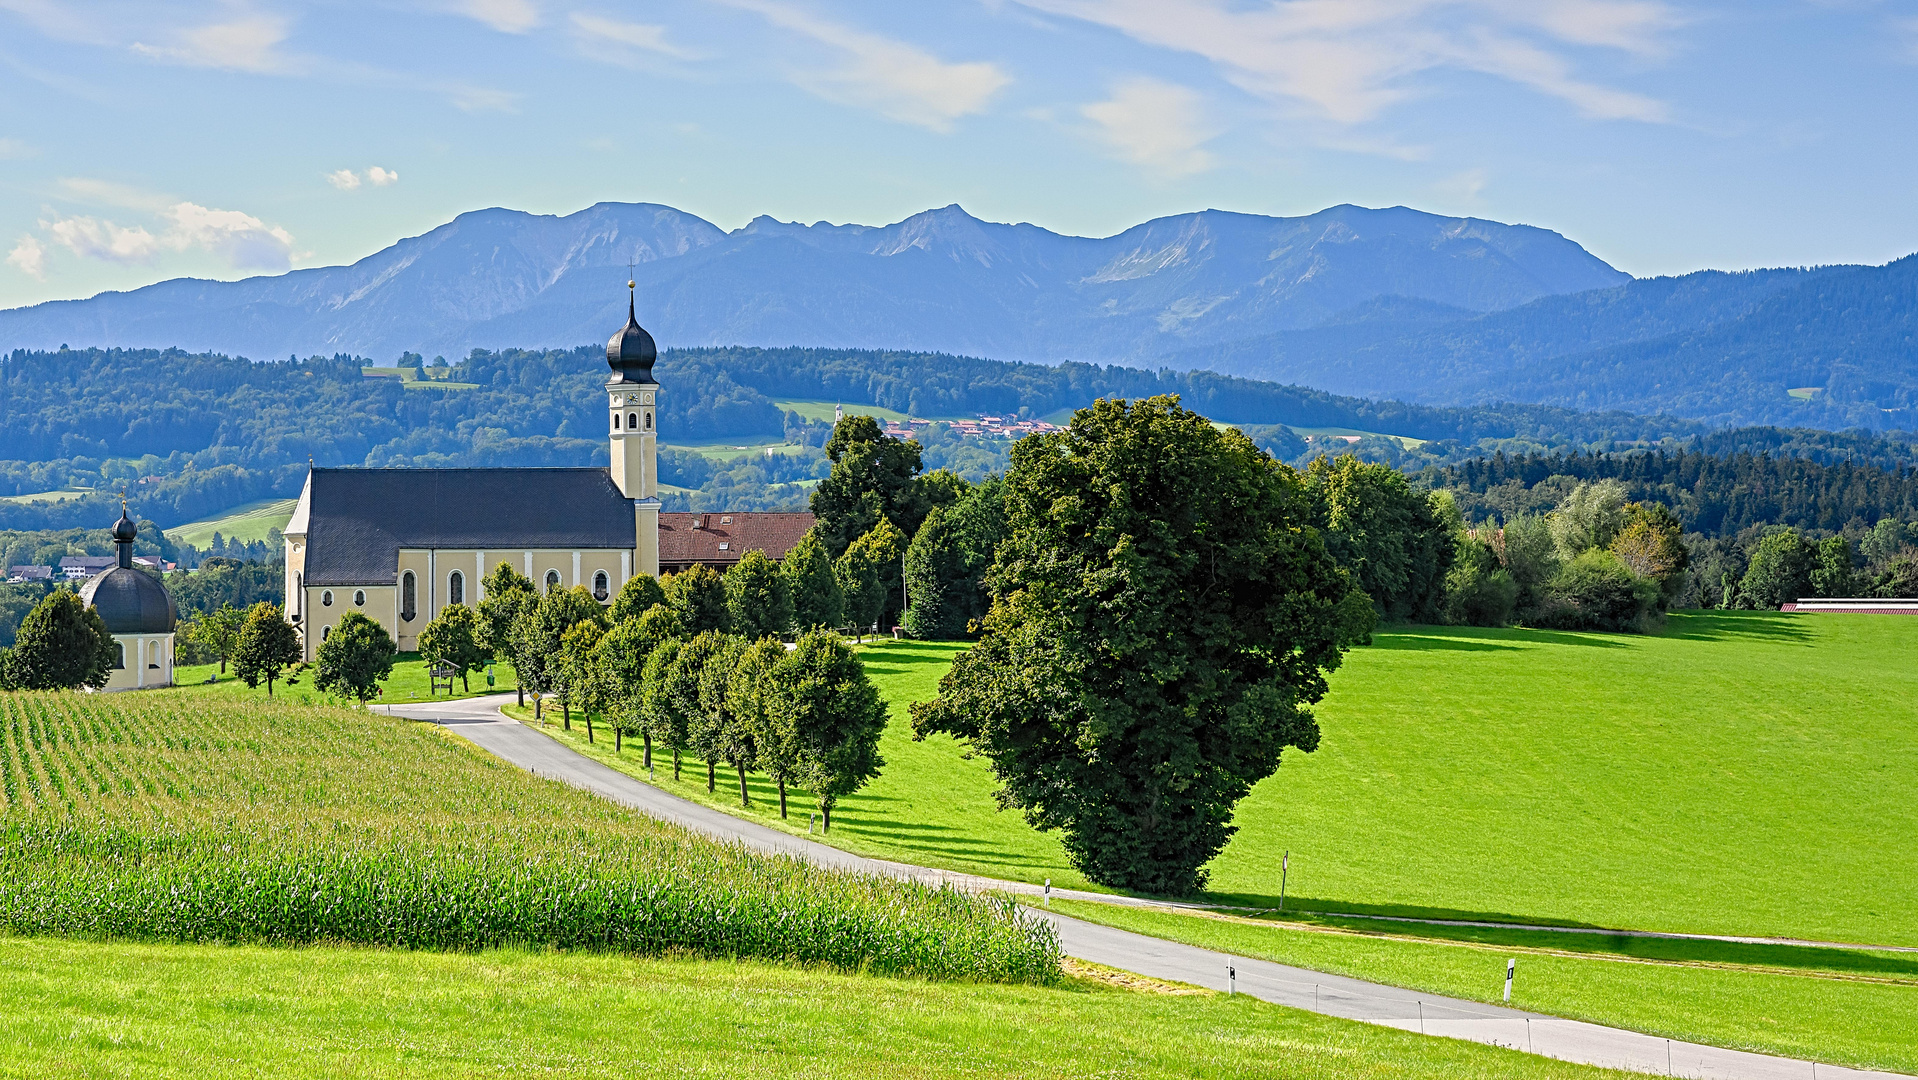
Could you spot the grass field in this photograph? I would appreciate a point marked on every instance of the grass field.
(729, 450)
(821, 412)
(409, 682)
(201, 818)
(249, 521)
(1742, 773)
(1840, 1006)
(49, 496)
(80, 1009)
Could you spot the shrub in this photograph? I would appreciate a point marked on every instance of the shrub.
(1597, 591)
(61, 645)
(1780, 570)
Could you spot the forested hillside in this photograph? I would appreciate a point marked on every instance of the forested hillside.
(190, 435)
(1834, 347)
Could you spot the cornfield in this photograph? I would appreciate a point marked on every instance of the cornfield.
(183, 818)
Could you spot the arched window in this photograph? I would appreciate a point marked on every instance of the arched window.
(326, 598)
(631, 420)
(456, 588)
(649, 421)
(326, 633)
(359, 597)
(552, 580)
(119, 655)
(615, 421)
(600, 590)
(409, 596)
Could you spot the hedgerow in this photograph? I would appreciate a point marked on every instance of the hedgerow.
(188, 818)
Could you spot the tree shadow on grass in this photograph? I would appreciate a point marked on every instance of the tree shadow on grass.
(1778, 626)
(1576, 937)
(1477, 639)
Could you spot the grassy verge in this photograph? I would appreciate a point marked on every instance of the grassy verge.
(73, 1009)
(1853, 1008)
(209, 818)
(410, 681)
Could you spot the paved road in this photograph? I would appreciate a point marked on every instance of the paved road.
(479, 720)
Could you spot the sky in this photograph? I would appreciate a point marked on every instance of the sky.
(143, 140)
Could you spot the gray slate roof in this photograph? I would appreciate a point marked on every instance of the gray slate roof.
(357, 520)
(130, 602)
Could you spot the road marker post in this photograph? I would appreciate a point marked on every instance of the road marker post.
(1511, 965)
(1048, 899)
(1285, 867)
(1231, 980)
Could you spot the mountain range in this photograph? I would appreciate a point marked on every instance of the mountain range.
(1388, 303)
(940, 281)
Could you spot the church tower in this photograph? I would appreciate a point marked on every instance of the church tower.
(632, 402)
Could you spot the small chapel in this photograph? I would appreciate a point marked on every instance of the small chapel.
(399, 545)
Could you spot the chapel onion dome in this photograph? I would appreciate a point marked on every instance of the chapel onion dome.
(631, 352)
(129, 601)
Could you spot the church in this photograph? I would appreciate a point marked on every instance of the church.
(399, 545)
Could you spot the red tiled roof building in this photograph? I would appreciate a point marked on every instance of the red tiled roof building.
(719, 540)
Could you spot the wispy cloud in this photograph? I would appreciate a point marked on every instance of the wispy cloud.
(615, 42)
(1350, 60)
(30, 256)
(506, 16)
(112, 193)
(14, 149)
(1156, 124)
(242, 240)
(894, 78)
(477, 99)
(249, 44)
(348, 180)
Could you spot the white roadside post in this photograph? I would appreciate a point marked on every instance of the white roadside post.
(1285, 868)
(1048, 899)
(1511, 965)
(1231, 980)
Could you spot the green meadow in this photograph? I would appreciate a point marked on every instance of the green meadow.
(248, 521)
(1741, 773)
(84, 1009)
(410, 681)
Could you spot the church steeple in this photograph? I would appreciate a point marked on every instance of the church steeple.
(632, 401)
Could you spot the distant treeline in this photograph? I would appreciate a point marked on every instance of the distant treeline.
(1714, 493)
(190, 435)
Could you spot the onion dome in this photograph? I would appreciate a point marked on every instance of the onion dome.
(129, 601)
(631, 352)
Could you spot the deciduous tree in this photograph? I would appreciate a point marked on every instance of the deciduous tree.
(61, 645)
(1780, 570)
(667, 701)
(751, 690)
(873, 479)
(860, 591)
(809, 581)
(218, 632)
(536, 634)
(638, 596)
(757, 599)
(269, 645)
(698, 594)
(508, 595)
(823, 707)
(1164, 612)
(1392, 539)
(452, 640)
(354, 659)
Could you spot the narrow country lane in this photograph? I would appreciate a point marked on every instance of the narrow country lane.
(480, 721)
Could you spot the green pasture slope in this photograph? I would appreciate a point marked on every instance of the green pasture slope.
(248, 521)
(1743, 774)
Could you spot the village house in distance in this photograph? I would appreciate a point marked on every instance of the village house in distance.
(398, 545)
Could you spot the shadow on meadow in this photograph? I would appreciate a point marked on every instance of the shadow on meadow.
(1411, 638)
(1779, 626)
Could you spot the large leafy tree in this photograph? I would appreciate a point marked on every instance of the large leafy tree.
(508, 595)
(269, 645)
(639, 594)
(884, 549)
(1164, 612)
(828, 717)
(354, 659)
(698, 594)
(667, 701)
(217, 633)
(1652, 543)
(61, 645)
(578, 676)
(751, 688)
(452, 639)
(861, 593)
(1833, 573)
(720, 734)
(1394, 540)
(874, 478)
(621, 661)
(758, 601)
(690, 684)
(1780, 570)
(536, 637)
(815, 593)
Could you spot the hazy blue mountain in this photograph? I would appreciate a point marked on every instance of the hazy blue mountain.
(1724, 348)
(939, 281)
